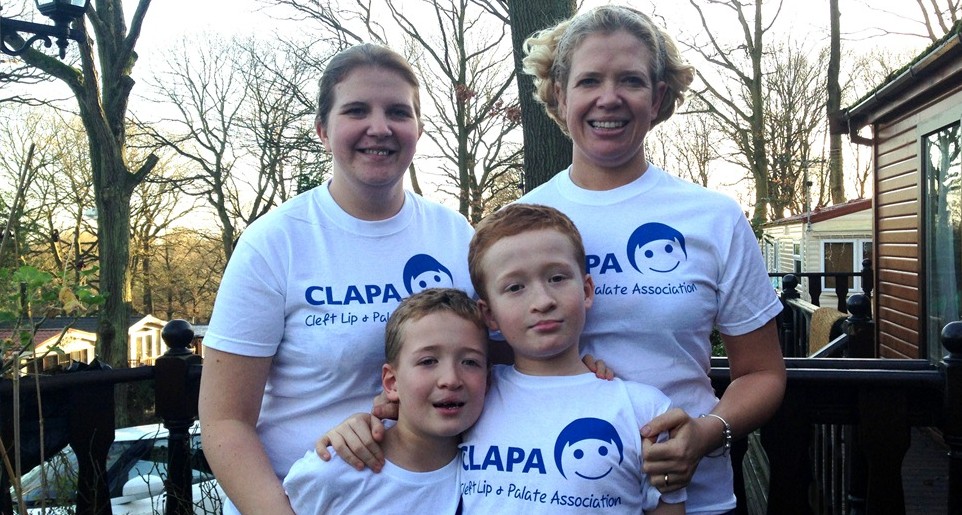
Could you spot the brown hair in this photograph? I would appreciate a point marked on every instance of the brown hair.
(512, 220)
(347, 60)
(548, 56)
(419, 305)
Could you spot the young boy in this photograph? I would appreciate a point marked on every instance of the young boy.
(553, 438)
(436, 350)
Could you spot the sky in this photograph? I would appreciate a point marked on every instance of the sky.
(169, 19)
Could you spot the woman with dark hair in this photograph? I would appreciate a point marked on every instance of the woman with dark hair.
(296, 340)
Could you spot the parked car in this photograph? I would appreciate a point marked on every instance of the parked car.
(136, 470)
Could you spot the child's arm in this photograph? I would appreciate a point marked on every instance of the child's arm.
(357, 441)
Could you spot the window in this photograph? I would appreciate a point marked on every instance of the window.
(844, 256)
(943, 202)
(797, 257)
(770, 251)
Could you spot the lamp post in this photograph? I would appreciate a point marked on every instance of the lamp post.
(62, 12)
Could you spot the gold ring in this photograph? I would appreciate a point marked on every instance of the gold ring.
(666, 480)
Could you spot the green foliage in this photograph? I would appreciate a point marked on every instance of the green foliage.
(717, 345)
(27, 297)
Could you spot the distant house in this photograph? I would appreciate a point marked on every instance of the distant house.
(915, 119)
(829, 239)
(79, 338)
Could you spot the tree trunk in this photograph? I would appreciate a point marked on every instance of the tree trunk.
(546, 149)
(113, 238)
(148, 296)
(836, 177)
(759, 147)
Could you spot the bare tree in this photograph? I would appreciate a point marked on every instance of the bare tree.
(65, 200)
(19, 167)
(230, 120)
(189, 269)
(278, 122)
(207, 93)
(939, 17)
(102, 87)
(547, 150)
(686, 144)
(460, 56)
(736, 98)
(156, 207)
(833, 105)
(794, 123)
(935, 18)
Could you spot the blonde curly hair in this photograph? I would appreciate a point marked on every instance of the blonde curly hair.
(548, 56)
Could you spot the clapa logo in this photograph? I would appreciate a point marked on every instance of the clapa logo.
(423, 271)
(656, 247)
(590, 448)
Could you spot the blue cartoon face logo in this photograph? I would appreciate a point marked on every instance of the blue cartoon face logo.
(423, 271)
(656, 247)
(590, 448)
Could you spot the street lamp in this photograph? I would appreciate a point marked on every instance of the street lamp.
(62, 12)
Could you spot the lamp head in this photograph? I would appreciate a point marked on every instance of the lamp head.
(62, 11)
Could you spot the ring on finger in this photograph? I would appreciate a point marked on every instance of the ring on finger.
(666, 480)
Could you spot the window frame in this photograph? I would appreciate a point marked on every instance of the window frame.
(857, 257)
(930, 336)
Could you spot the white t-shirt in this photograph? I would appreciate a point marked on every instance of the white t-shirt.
(313, 287)
(670, 261)
(560, 444)
(315, 487)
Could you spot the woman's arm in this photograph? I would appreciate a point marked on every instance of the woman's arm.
(758, 381)
(231, 389)
(756, 390)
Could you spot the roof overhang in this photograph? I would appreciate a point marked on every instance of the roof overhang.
(930, 70)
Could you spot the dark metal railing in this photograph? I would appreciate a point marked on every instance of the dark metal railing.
(841, 431)
(837, 443)
(790, 283)
(77, 409)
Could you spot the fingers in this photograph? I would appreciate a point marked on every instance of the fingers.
(356, 441)
(666, 459)
(387, 409)
(670, 462)
(599, 367)
(320, 447)
(384, 408)
(669, 421)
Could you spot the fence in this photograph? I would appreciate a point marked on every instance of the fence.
(841, 431)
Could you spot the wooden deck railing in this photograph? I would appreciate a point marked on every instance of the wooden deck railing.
(789, 283)
(837, 443)
(859, 409)
(77, 408)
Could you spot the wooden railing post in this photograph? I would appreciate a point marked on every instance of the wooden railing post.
(868, 277)
(860, 327)
(92, 426)
(787, 334)
(841, 289)
(176, 403)
(952, 410)
(864, 438)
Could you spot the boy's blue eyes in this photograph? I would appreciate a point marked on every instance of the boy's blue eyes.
(514, 288)
(434, 361)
